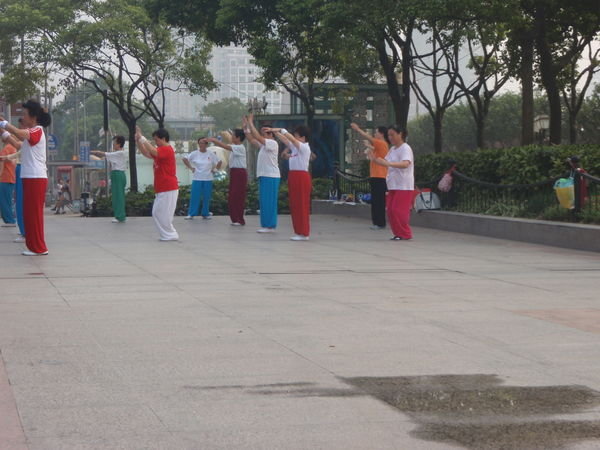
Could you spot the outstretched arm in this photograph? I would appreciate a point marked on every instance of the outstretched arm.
(10, 139)
(218, 143)
(146, 149)
(286, 137)
(363, 133)
(18, 133)
(253, 131)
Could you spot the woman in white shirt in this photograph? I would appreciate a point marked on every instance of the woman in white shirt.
(118, 164)
(34, 174)
(203, 164)
(299, 180)
(238, 176)
(400, 183)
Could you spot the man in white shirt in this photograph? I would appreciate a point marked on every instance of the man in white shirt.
(238, 176)
(118, 165)
(203, 164)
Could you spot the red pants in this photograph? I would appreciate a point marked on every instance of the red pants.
(238, 186)
(34, 197)
(398, 209)
(300, 187)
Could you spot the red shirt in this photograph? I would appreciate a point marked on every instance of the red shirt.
(165, 170)
(8, 173)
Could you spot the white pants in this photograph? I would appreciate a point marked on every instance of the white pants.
(163, 211)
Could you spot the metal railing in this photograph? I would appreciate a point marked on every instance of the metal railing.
(348, 186)
(587, 196)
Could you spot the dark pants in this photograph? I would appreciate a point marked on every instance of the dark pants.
(378, 190)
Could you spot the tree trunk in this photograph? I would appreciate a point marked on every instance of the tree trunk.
(572, 128)
(526, 69)
(133, 180)
(392, 84)
(480, 124)
(437, 132)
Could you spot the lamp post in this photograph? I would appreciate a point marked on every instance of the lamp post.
(541, 123)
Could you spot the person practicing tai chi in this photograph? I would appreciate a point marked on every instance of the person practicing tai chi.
(8, 179)
(299, 181)
(238, 176)
(267, 172)
(377, 174)
(166, 185)
(400, 182)
(34, 173)
(118, 165)
(203, 164)
(16, 158)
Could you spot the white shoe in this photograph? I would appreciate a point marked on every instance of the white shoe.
(299, 237)
(19, 239)
(168, 239)
(188, 217)
(207, 217)
(9, 225)
(236, 224)
(30, 253)
(265, 230)
(117, 221)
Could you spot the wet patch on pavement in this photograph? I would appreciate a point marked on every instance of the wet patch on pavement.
(478, 412)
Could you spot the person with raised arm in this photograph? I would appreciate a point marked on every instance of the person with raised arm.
(118, 165)
(166, 185)
(400, 182)
(8, 181)
(16, 157)
(267, 172)
(203, 164)
(238, 176)
(299, 181)
(377, 174)
(34, 173)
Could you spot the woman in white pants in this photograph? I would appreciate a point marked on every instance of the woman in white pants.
(166, 185)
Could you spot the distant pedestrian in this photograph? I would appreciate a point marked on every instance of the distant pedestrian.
(33, 172)
(299, 180)
(400, 182)
(267, 172)
(377, 174)
(166, 186)
(203, 164)
(118, 165)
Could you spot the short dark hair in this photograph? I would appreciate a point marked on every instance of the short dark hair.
(34, 109)
(200, 138)
(401, 131)
(120, 140)
(239, 133)
(161, 133)
(303, 131)
(383, 130)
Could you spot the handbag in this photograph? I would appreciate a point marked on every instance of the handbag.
(565, 192)
(427, 200)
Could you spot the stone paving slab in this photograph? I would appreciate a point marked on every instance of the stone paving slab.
(232, 339)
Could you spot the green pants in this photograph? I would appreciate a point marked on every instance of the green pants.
(118, 181)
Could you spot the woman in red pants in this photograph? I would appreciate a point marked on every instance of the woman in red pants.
(299, 181)
(34, 173)
(400, 183)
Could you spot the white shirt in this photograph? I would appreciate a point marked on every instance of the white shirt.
(204, 163)
(401, 179)
(33, 154)
(237, 159)
(117, 160)
(300, 157)
(266, 164)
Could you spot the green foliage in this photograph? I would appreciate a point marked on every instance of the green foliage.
(227, 113)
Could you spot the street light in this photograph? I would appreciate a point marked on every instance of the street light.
(541, 123)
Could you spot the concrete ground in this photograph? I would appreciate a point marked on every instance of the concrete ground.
(232, 339)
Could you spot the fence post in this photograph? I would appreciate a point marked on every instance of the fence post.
(577, 190)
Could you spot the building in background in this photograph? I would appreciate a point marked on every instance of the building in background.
(236, 76)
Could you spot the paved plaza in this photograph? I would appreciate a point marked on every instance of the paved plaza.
(230, 339)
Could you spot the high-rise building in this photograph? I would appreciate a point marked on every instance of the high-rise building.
(236, 76)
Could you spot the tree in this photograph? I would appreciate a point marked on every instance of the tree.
(117, 48)
(589, 119)
(227, 113)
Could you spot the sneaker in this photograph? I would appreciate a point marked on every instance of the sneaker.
(30, 253)
(114, 221)
(19, 239)
(299, 237)
(9, 225)
(207, 217)
(376, 227)
(265, 230)
(236, 224)
(168, 239)
(398, 238)
(188, 217)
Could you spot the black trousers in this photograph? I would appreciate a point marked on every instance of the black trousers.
(378, 190)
